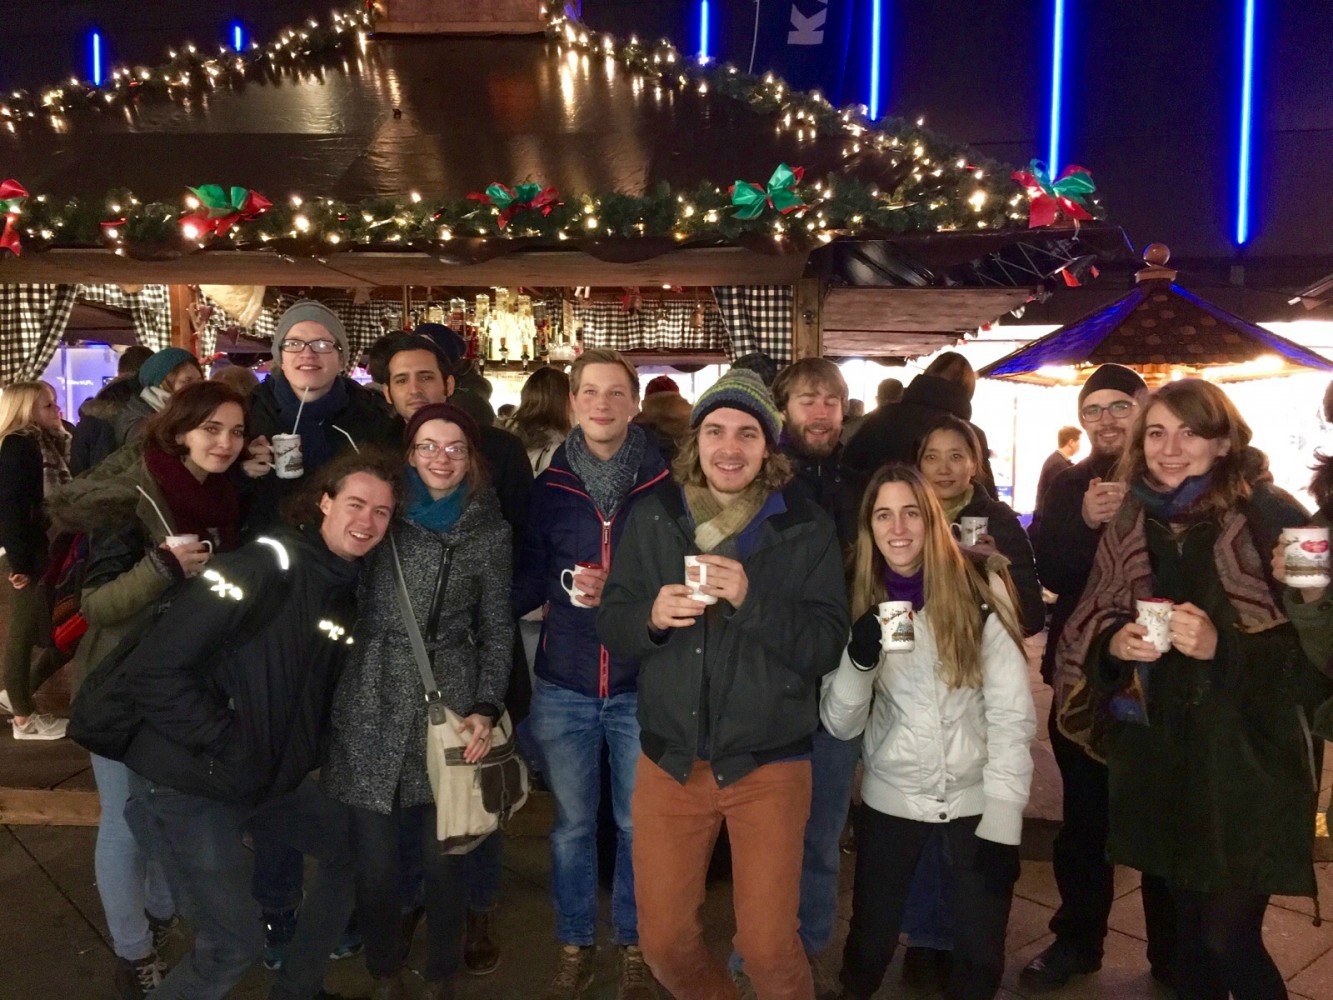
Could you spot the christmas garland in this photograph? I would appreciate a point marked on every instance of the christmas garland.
(932, 184)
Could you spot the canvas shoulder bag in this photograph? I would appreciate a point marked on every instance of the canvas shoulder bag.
(472, 801)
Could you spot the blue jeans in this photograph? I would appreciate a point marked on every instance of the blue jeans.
(928, 919)
(481, 870)
(131, 883)
(199, 844)
(570, 729)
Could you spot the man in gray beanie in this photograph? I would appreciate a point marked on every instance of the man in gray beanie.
(1065, 532)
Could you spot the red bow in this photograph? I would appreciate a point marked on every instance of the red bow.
(12, 194)
(511, 201)
(221, 213)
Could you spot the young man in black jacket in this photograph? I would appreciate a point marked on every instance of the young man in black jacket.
(1065, 534)
(233, 684)
(728, 688)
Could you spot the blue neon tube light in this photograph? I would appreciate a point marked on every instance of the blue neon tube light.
(97, 57)
(1057, 83)
(237, 36)
(1246, 128)
(703, 31)
(876, 46)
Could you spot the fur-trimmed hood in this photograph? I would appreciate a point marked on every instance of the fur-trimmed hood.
(111, 400)
(105, 496)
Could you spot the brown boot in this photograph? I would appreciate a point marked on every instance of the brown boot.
(480, 954)
(636, 980)
(573, 973)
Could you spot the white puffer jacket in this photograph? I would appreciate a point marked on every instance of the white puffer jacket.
(932, 754)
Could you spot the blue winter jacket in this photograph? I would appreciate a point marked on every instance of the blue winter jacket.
(565, 527)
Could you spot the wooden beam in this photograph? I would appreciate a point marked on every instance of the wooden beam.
(806, 323)
(48, 807)
(182, 330)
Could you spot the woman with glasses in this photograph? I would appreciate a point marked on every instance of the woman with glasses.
(455, 551)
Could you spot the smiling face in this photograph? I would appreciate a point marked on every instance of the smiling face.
(603, 406)
(430, 456)
(356, 519)
(212, 447)
(1173, 452)
(899, 527)
(813, 418)
(732, 450)
(947, 463)
(1108, 432)
(415, 380)
(308, 373)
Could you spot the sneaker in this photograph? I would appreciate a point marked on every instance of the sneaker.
(40, 727)
(481, 954)
(348, 945)
(636, 980)
(1055, 966)
(135, 980)
(5, 705)
(573, 973)
(162, 929)
(279, 927)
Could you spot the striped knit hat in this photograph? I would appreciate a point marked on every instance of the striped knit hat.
(740, 389)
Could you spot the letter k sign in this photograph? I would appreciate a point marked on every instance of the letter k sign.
(808, 30)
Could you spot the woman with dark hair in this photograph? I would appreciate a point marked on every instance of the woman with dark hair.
(1213, 777)
(455, 550)
(542, 419)
(139, 507)
(947, 724)
(34, 460)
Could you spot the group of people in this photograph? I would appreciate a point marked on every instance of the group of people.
(698, 634)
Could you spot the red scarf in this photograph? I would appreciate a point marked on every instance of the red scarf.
(208, 509)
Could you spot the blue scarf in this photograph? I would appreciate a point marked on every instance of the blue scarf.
(906, 588)
(434, 515)
(319, 443)
(1172, 505)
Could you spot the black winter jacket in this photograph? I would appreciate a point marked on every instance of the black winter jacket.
(234, 682)
(1064, 545)
(1012, 542)
(95, 433)
(835, 486)
(22, 525)
(893, 433)
(761, 663)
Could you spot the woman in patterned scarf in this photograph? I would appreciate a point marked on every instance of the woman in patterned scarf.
(1213, 775)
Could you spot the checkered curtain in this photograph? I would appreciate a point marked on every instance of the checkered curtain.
(654, 326)
(149, 309)
(757, 319)
(32, 321)
(365, 323)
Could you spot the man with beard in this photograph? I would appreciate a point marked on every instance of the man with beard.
(1066, 531)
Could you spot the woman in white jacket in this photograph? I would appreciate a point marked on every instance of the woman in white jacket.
(947, 728)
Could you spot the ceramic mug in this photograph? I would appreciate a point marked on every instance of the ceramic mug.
(287, 461)
(968, 530)
(697, 580)
(1154, 614)
(173, 541)
(572, 588)
(1306, 557)
(897, 630)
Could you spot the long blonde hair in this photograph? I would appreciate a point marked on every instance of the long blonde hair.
(955, 588)
(17, 402)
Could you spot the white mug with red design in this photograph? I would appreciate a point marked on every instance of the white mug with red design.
(1306, 558)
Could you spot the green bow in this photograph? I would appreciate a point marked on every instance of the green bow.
(219, 201)
(750, 199)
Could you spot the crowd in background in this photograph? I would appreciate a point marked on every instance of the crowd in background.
(684, 608)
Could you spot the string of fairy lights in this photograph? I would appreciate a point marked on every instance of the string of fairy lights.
(926, 183)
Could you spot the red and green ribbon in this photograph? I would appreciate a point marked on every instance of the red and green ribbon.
(1052, 200)
(780, 195)
(221, 208)
(511, 201)
(12, 196)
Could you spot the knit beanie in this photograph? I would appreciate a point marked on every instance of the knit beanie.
(444, 411)
(663, 383)
(741, 389)
(309, 311)
(162, 364)
(1116, 377)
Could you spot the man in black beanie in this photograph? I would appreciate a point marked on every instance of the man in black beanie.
(1065, 533)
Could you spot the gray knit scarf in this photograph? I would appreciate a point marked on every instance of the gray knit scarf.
(608, 482)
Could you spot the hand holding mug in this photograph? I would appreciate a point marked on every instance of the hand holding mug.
(189, 552)
(726, 579)
(584, 584)
(1101, 501)
(674, 608)
(1132, 643)
(477, 730)
(260, 462)
(1193, 632)
(1301, 561)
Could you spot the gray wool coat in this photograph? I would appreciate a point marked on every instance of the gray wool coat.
(378, 745)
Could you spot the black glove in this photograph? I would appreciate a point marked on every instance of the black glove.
(864, 647)
(997, 864)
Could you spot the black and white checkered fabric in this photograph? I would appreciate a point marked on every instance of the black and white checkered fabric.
(654, 326)
(365, 323)
(32, 322)
(149, 309)
(757, 319)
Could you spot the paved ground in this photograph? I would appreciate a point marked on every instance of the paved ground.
(53, 938)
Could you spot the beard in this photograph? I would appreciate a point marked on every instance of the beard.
(814, 449)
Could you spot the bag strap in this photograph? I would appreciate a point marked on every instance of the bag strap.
(435, 707)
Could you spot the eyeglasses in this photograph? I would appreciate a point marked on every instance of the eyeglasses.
(1093, 412)
(293, 346)
(454, 452)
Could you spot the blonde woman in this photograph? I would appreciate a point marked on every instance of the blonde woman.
(947, 729)
(34, 458)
